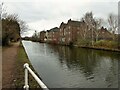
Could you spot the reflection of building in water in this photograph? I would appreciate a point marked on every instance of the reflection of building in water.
(112, 74)
(93, 64)
(45, 51)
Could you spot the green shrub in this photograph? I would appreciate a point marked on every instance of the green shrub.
(84, 42)
(106, 44)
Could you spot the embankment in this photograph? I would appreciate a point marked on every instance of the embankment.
(22, 58)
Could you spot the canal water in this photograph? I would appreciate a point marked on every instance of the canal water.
(72, 67)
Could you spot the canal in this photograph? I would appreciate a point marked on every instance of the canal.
(72, 67)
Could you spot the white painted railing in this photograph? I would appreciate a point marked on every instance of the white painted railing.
(26, 86)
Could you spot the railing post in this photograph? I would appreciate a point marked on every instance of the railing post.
(26, 86)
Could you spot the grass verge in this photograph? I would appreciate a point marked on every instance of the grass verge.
(19, 74)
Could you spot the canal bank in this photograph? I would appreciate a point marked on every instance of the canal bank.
(104, 47)
(99, 48)
(22, 58)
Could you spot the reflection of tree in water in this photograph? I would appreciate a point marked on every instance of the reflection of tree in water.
(112, 74)
(84, 60)
(76, 59)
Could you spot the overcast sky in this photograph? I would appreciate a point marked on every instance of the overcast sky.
(46, 14)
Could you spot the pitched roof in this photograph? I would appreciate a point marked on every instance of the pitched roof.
(63, 24)
(55, 29)
(74, 23)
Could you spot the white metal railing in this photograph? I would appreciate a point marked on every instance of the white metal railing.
(26, 86)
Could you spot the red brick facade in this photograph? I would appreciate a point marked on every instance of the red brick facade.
(70, 32)
(104, 34)
(42, 36)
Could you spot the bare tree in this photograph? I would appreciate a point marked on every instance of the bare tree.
(0, 23)
(10, 29)
(89, 20)
(12, 26)
(1, 4)
(12, 17)
(23, 26)
(84, 29)
(3, 12)
(113, 22)
(98, 23)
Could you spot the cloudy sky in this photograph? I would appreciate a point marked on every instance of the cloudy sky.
(46, 14)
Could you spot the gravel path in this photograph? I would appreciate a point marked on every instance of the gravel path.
(9, 55)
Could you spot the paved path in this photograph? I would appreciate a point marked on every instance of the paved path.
(9, 55)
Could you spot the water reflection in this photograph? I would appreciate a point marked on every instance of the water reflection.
(90, 62)
(62, 66)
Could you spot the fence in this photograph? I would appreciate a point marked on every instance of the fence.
(26, 86)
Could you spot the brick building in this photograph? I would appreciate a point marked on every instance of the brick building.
(42, 36)
(73, 31)
(62, 33)
(70, 32)
(104, 34)
(53, 35)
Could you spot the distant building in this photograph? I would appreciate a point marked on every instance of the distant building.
(69, 32)
(104, 34)
(56, 35)
(62, 33)
(72, 29)
(73, 32)
(42, 36)
(53, 35)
